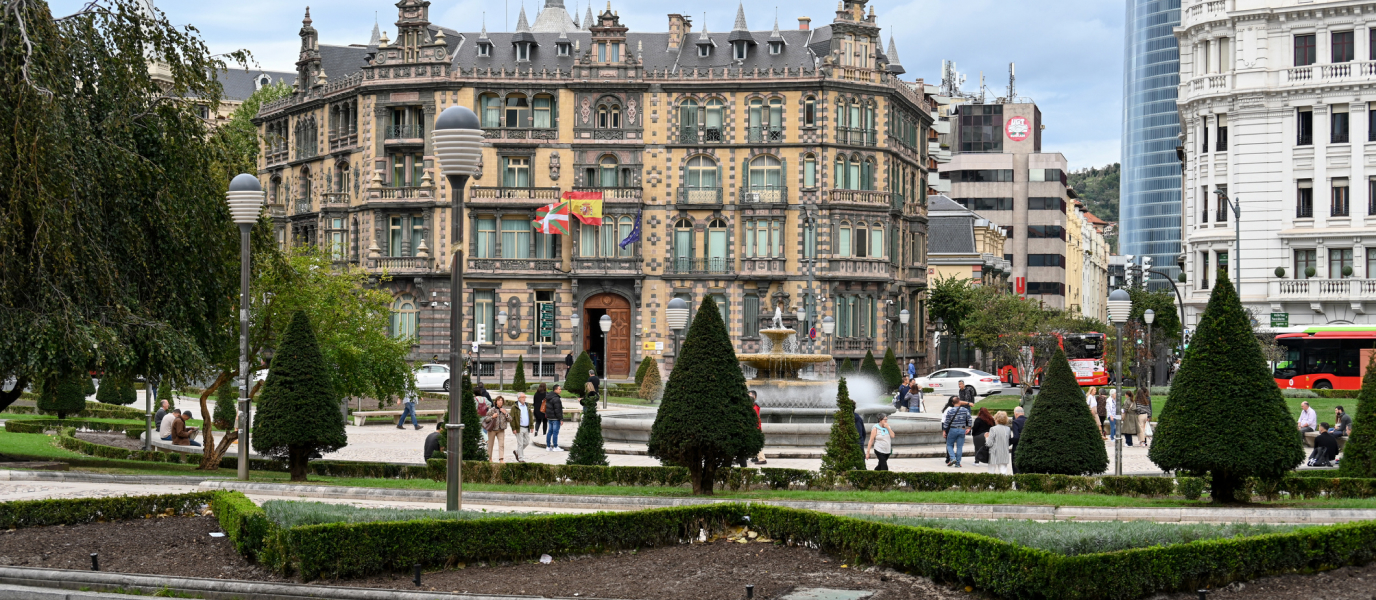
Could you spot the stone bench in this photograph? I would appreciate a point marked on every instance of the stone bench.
(1310, 436)
(168, 446)
(361, 416)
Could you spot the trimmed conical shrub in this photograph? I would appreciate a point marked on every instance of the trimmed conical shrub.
(844, 452)
(578, 373)
(889, 371)
(587, 446)
(115, 389)
(1060, 436)
(88, 386)
(1224, 414)
(868, 367)
(645, 364)
(298, 411)
(707, 420)
(1359, 454)
(473, 448)
(226, 407)
(651, 385)
(62, 395)
(847, 368)
(518, 381)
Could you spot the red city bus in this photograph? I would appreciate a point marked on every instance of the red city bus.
(1325, 358)
(1085, 352)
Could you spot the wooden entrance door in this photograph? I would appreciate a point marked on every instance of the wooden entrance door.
(619, 338)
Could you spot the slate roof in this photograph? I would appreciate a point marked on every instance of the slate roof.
(654, 51)
(950, 235)
(239, 84)
(342, 61)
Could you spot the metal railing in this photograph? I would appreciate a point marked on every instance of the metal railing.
(613, 193)
(699, 195)
(516, 193)
(758, 135)
(408, 132)
(626, 264)
(872, 197)
(334, 198)
(764, 195)
(700, 135)
(856, 136)
(699, 266)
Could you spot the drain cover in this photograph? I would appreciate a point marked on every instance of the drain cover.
(826, 594)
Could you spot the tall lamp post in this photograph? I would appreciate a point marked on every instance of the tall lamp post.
(1150, 315)
(606, 324)
(828, 326)
(245, 198)
(1237, 236)
(501, 355)
(574, 320)
(676, 315)
(937, 324)
(457, 142)
(903, 317)
(1119, 307)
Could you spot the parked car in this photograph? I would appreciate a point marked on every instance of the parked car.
(944, 382)
(433, 376)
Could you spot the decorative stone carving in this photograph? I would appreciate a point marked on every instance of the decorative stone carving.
(630, 110)
(513, 318)
(585, 110)
(554, 165)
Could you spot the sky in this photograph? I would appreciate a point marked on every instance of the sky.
(1069, 53)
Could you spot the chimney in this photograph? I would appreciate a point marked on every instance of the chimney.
(679, 27)
(804, 23)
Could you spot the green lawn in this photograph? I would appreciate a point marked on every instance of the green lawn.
(34, 445)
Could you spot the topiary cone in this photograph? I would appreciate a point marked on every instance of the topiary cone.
(518, 381)
(645, 363)
(298, 412)
(1224, 413)
(62, 395)
(651, 385)
(587, 446)
(578, 373)
(868, 367)
(889, 371)
(1359, 454)
(1060, 436)
(844, 451)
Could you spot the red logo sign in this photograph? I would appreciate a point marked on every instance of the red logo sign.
(1018, 128)
(1020, 285)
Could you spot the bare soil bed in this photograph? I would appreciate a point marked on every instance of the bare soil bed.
(1347, 583)
(118, 440)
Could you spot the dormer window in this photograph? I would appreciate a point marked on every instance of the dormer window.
(484, 48)
(704, 50)
(522, 52)
(609, 52)
(739, 50)
(564, 48)
(776, 47)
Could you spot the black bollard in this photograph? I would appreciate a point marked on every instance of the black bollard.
(417, 580)
(749, 592)
(95, 561)
(1203, 594)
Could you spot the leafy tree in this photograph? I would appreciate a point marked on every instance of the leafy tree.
(1060, 436)
(518, 381)
(238, 137)
(651, 386)
(587, 446)
(472, 426)
(1251, 434)
(62, 395)
(645, 363)
(165, 392)
(1165, 328)
(99, 153)
(578, 373)
(1005, 324)
(298, 414)
(706, 420)
(1359, 454)
(226, 407)
(889, 371)
(868, 367)
(847, 368)
(844, 451)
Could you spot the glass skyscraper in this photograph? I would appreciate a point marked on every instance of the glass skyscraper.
(1149, 187)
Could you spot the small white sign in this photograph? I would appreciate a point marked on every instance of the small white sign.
(482, 333)
(659, 345)
(475, 346)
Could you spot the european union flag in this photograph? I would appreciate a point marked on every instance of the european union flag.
(634, 235)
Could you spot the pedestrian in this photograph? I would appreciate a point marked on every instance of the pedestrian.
(1019, 421)
(554, 417)
(860, 428)
(568, 364)
(983, 422)
(495, 424)
(1100, 411)
(409, 409)
(1342, 423)
(881, 443)
(594, 382)
(912, 369)
(957, 426)
(900, 399)
(1114, 415)
(916, 398)
(480, 391)
(522, 418)
(432, 441)
(1143, 415)
(755, 401)
(541, 426)
(967, 393)
(1130, 427)
(1000, 438)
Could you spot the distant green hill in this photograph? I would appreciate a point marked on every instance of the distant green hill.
(1098, 189)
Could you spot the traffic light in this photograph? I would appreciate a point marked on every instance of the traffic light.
(1146, 263)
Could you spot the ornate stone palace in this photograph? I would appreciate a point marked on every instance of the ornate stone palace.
(772, 168)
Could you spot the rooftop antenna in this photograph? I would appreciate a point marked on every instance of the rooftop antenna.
(1012, 84)
(981, 87)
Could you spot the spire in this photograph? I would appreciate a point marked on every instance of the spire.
(377, 36)
(703, 34)
(740, 19)
(894, 65)
(775, 33)
(522, 26)
(575, 22)
(483, 34)
(307, 21)
(587, 18)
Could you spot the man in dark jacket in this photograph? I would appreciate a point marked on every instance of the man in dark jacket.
(554, 417)
(1019, 421)
(1325, 448)
(432, 441)
(860, 428)
(568, 364)
(966, 393)
(594, 380)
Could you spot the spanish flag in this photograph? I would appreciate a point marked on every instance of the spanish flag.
(587, 206)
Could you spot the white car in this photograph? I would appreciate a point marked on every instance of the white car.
(945, 382)
(433, 377)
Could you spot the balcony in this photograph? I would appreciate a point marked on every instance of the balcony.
(336, 198)
(765, 195)
(627, 265)
(705, 135)
(275, 155)
(762, 267)
(852, 344)
(521, 134)
(699, 266)
(873, 198)
(404, 132)
(859, 267)
(301, 207)
(343, 140)
(857, 137)
(614, 193)
(516, 193)
(699, 195)
(764, 135)
(276, 210)
(506, 265)
(1318, 291)
(399, 264)
(408, 193)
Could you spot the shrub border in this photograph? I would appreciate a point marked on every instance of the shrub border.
(75, 511)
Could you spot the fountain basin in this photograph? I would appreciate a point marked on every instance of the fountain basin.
(805, 433)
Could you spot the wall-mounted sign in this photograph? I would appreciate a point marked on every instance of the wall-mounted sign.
(1018, 128)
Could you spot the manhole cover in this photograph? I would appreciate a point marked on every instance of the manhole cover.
(826, 594)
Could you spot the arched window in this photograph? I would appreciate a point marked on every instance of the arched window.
(544, 107)
(843, 240)
(702, 180)
(683, 245)
(765, 173)
(756, 118)
(491, 107)
(606, 168)
(305, 180)
(861, 240)
(404, 317)
(609, 238)
(624, 225)
(275, 191)
(809, 112)
(853, 173)
(840, 115)
(341, 177)
(809, 171)
(714, 114)
(854, 117)
(517, 110)
(608, 116)
(716, 246)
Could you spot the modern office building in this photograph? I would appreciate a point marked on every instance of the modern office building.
(1278, 106)
(767, 168)
(1149, 190)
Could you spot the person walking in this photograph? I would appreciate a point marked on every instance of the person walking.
(1129, 427)
(495, 424)
(983, 422)
(1100, 411)
(1000, 438)
(900, 399)
(912, 369)
(594, 380)
(966, 393)
(881, 443)
(1114, 415)
(956, 425)
(408, 408)
(554, 417)
(1019, 421)
(568, 364)
(1143, 416)
(522, 419)
(538, 402)
(755, 401)
(860, 429)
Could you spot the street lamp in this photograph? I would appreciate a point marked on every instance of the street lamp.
(903, 317)
(245, 198)
(606, 324)
(828, 326)
(1119, 307)
(1237, 237)
(1150, 315)
(501, 358)
(457, 142)
(676, 315)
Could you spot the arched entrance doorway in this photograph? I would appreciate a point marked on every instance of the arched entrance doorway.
(618, 360)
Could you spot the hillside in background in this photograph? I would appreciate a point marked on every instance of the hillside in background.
(1098, 189)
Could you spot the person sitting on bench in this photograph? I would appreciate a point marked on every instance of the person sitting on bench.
(181, 434)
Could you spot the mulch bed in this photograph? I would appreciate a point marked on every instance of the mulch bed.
(118, 440)
(1347, 583)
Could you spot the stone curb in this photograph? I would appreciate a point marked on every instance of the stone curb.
(900, 509)
(83, 477)
(212, 589)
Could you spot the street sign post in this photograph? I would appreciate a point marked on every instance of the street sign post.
(1280, 319)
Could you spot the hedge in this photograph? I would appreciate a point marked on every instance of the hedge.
(93, 410)
(245, 523)
(75, 511)
(132, 430)
(65, 440)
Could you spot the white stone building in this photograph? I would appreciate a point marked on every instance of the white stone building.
(1276, 101)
